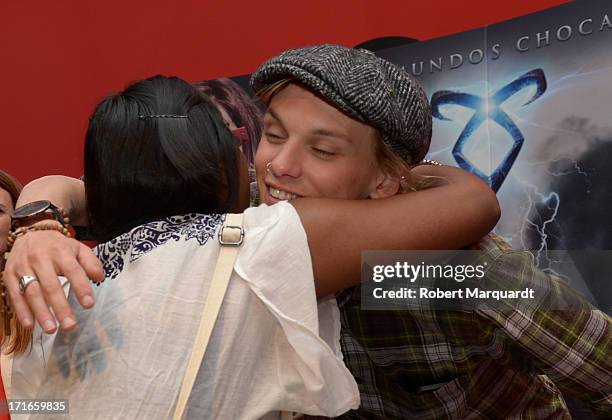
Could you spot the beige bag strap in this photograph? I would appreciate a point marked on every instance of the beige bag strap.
(230, 238)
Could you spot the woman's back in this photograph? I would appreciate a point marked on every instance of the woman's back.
(128, 356)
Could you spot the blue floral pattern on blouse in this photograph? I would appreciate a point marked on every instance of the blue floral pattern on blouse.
(132, 245)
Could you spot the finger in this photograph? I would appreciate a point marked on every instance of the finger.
(18, 302)
(90, 263)
(79, 281)
(53, 294)
(36, 301)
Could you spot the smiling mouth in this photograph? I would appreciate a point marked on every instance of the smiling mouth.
(281, 195)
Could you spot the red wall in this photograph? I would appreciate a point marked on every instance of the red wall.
(59, 58)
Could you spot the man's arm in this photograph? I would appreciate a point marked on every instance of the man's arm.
(572, 347)
(65, 192)
(450, 216)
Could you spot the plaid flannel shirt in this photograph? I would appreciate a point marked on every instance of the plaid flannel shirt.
(481, 364)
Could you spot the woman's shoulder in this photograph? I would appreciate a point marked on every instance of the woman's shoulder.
(274, 252)
(268, 228)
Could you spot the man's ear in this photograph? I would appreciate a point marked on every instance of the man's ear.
(386, 186)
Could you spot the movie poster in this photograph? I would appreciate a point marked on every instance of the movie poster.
(525, 105)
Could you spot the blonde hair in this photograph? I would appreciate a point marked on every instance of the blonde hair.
(393, 165)
(266, 94)
(19, 338)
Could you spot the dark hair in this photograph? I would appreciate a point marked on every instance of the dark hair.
(142, 169)
(240, 108)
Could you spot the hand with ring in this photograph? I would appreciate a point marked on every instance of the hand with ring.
(24, 281)
(31, 278)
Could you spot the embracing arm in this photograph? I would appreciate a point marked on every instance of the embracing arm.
(446, 217)
(63, 191)
(450, 216)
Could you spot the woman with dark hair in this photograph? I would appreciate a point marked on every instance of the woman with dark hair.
(161, 168)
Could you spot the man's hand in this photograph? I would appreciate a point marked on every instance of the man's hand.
(47, 255)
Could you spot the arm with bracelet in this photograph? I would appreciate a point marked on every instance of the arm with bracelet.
(51, 248)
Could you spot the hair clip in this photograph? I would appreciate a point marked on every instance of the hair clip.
(241, 134)
(144, 117)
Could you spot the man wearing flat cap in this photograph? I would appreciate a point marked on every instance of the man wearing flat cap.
(426, 364)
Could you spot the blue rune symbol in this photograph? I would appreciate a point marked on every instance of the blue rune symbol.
(490, 108)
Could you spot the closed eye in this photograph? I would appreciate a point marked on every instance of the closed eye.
(323, 153)
(273, 137)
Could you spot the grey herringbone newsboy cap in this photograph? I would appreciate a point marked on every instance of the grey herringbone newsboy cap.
(363, 86)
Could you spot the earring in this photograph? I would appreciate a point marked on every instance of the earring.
(268, 166)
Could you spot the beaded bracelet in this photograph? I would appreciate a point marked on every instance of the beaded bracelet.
(430, 162)
(14, 235)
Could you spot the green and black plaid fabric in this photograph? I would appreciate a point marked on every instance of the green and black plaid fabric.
(501, 363)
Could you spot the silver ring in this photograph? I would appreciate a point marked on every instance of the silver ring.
(268, 166)
(24, 282)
